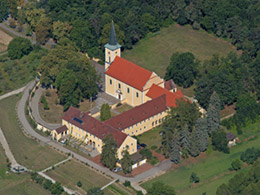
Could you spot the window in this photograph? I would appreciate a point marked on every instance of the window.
(133, 150)
(128, 90)
(137, 95)
(119, 86)
(156, 122)
(110, 81)
(140, 129)
(153, 124)
(144, 127)
(132, 133)
(136, 131)
(132, 144)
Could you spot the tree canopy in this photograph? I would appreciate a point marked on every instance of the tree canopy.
(19, 47)
(3, 10)
(105, 112)
(183, 69)
(109, 152)
(70, 72)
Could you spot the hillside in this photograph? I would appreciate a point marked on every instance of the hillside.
(154, 53)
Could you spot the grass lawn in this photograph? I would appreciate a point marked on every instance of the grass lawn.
(71, 172)
(123, 108)
(26, 151)
(13, 184)
(154, 53)
(55, 113)
(151, 138)
(212, 169)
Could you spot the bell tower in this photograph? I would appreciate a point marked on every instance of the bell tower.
(112, 48)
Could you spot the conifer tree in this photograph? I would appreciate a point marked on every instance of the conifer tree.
(213, 113)
(194, 144)
(202, 133)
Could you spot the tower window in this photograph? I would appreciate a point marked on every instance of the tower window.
(137, 95)
(119, 86)
(110, 81)
(128, 90)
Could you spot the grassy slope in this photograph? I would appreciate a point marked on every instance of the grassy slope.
(212, 170)
(27, 152)
(154, 53)
(13, 184)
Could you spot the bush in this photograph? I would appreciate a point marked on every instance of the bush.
(45, 103)
(194, 178)
(154, 160)
(154, 147)
(146, 153)
(250, 155)
(47, 184)
(79, 184)
(236, 164)
(48, 94)
(127, 183)
(19, 47)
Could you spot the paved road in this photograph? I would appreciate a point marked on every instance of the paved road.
(15, 33)
(35, 110)
(135, 180)
(12, 93)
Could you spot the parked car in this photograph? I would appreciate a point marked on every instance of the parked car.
(117, 169)
(138, 147)
(143, 145)
(63, 141)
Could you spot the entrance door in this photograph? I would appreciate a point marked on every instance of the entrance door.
(119, 96)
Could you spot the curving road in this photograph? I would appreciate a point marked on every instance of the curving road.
(160, 169)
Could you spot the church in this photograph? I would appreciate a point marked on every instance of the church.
(150, 96)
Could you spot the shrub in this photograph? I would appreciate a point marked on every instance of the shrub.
(127, 183)
(79, 184)
(194, 178)
(146, 153)
(154, 160)
(47, 184)
(250, 155)
(48, 94)
(45, 103)
(154, 147)
(236, 164)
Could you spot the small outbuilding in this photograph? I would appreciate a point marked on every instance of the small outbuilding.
(231, 139)
(60, 132)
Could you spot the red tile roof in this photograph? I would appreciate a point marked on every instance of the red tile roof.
(156, 91)
(92, 125)
(61, 129)
(129, 73)
(138, 113)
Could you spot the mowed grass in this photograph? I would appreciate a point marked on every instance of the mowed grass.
(26, 151)
(123, 108)
(13, 184)
(151, 138)
(71, 172)
(212, 169)
(154, 53)
(55, 113)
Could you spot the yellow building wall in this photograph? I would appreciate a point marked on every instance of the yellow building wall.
(129, 143)
(145, 125)
(112, 88)
(82, 135)
(55, 135)
(154, 79)
(110, 56)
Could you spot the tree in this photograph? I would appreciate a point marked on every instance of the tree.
(255, 72)
(105, 112)
(95, 191)
(61, 30)
(236, 164)
(47, 184)
(12, 4)
(219, 141)
(250, 155)
(3, 10)
(194, 178)
(146, 153)
(213, 113)
(183, 69)
(202, 133)
(79, 184)
(149, 23)
(33, 16)
(159, 188)
(109, 152)
(19, 47)
(43, 29)
(126, 162)
(70, 72)
(56, 188)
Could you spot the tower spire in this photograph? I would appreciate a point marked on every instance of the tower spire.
(112, 37)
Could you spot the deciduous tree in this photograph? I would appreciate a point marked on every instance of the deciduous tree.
(19, 47)
(109, 152)
(105, 112)
(126, 162)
